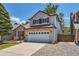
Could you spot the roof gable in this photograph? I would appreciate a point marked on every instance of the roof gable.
(38, 13)
(24, 26)
(46, 14)
(19, 27)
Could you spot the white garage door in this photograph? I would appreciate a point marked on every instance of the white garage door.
(38, 36)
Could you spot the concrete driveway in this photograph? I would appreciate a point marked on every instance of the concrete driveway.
(22, 49)
(59, 49)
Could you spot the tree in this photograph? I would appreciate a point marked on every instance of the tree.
(61, 15)
(5, 23)
(51, 9)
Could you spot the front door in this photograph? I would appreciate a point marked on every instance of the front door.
(21, 35)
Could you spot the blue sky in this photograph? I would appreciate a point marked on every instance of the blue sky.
(20, 12)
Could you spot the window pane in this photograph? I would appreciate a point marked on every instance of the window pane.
(47, 20)
(47, 32)
(37, 22)
(41, 32)
(43, 20)
(40, 21)
(36, 32)
(33, 21)
(29, 32)
(44, 32)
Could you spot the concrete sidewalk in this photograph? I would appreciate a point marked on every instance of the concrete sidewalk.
(22, 49)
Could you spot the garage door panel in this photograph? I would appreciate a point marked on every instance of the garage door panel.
(38, 37)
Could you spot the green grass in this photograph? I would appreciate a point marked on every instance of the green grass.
(8, 44)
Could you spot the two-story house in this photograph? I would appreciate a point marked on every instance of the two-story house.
(74, 17)
(43, 27)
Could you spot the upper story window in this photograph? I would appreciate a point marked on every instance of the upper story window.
(47, 20)
(35, 21)
(41, 21)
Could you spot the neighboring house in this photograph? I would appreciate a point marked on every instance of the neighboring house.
(74, 17)
(11, 36)
(43, 27)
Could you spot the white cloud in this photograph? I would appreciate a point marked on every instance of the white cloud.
(17, 20)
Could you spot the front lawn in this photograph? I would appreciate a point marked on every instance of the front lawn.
(8, 44)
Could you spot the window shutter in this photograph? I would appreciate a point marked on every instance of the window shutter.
(40, 21)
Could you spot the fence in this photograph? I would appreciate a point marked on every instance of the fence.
(66, 37)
